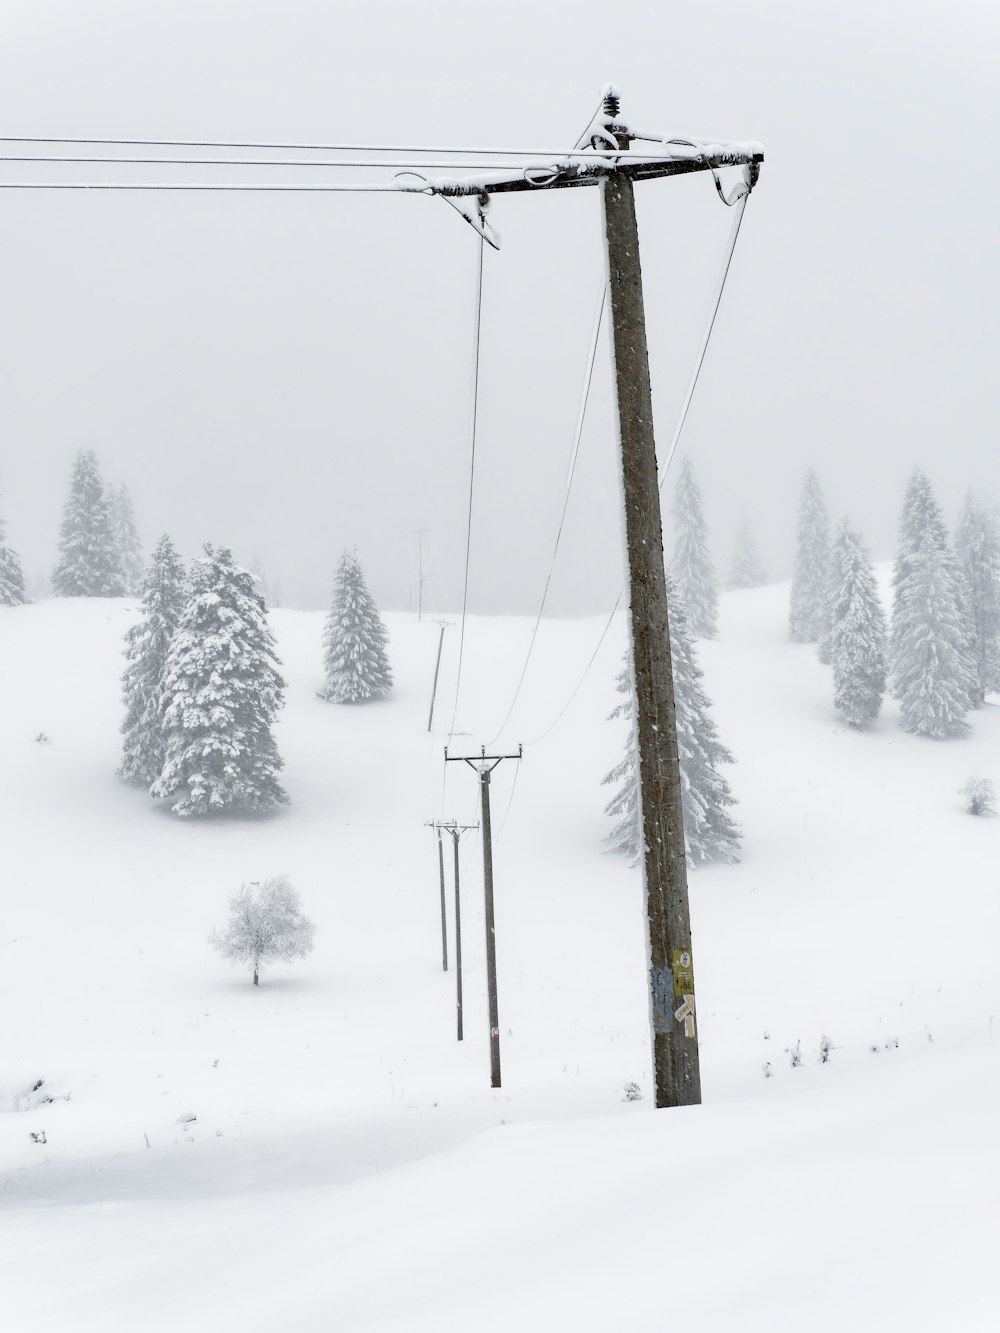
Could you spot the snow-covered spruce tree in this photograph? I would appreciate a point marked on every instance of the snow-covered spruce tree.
(12, 591)
(931, 667)
(977, 549)
(129, 545)
(812, 559)
(745, 569)
(691, 568)
(710, 832)
(221, 693)
(859, 633)
(89, 563)
(921, 514)
(354, 653)
(146, 648)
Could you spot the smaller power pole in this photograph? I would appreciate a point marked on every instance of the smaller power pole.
(419, 534)
(456, 830)
(484, 764)
(430, 823)
(437, 667)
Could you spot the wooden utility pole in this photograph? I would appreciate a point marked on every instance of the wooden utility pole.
(419, 534)
(484, 764)
(430, 823)
(437, 667)
(456, 830)
(668, 928)
(668, 924)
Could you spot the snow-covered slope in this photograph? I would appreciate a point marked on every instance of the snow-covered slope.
(349, 1167)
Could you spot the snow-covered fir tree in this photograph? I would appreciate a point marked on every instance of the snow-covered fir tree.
(824, 620)
(127, 538)
(12, 590)
(691, 568)
(858, 634)
(147, 645)
(977, 549)
(89, 563)
(931, 667)
(710, 832)
(221, 694)
(807, 609)
(355, 662)
(745, 568)
(921, 514)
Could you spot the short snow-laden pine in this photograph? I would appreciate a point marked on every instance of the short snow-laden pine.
(746, 569)
(354, 640)
(931, 667)
(710, 832)
(221, 694)
(859, 633)
(691, 568)
(812, 559)
(89, 563)
(147, 645)
(12, 591)
(127, 538)
(977, 549)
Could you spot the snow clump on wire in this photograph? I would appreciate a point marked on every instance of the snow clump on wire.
(265, 925)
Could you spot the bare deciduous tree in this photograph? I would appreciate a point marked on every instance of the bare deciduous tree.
(265, 923)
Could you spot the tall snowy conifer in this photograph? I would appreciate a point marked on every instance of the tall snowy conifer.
(89, 563)
(745, 569)
(12, 591)
(710, 832)
(354, 640)
(807, 609)
(221, 694)
(931, 667)
(858, 633)
(127, 539)
(920, 517)
(147, 645)
(977, 546)
(691, 568)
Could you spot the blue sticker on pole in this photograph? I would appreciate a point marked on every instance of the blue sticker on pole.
(661, 988)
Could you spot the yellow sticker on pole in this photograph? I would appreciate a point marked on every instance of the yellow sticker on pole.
(683, 970)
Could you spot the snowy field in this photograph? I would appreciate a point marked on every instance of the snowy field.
(320, 1154)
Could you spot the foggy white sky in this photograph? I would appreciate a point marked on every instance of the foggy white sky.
(289, 374)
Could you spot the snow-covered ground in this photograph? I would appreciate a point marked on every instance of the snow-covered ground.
(349, 1167)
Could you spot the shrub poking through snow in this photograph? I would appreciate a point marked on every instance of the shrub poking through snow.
(354, 638)
(980, 796)
(265, 925)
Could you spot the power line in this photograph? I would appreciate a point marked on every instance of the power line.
(324, 163)
(332, 188)
(415, 149)
(473, 422)
(586, 671)
(577, 436)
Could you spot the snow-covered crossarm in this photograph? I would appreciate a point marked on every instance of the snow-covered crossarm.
(574, 171)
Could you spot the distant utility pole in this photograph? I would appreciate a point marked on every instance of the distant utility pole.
(431, 823)
(456, 830)
(419, 534)
(437, 667)
(484, 764)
